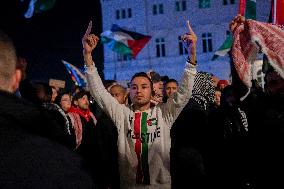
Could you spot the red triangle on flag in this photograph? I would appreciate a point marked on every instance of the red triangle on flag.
(137, 45)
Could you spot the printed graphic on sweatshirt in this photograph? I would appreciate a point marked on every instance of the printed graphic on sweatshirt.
(141, 148)
(143, 134)
(152, 133)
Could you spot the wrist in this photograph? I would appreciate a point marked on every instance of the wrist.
(193, 49)
(88, 59)
(192, 61)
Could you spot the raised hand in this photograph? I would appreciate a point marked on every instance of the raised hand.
(238, 20)
(89, 41)
(189, 40)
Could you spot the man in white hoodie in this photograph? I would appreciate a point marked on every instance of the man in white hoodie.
(143, 130)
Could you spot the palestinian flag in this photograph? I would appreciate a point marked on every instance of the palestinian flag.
(250, 11)
(278, 11)
(38, 6)
(225, 48)
(247, 8)
(141, 148)
(123, 41)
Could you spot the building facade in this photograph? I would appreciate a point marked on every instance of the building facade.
(165, 21)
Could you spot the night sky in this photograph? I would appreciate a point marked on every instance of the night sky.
(48, 37)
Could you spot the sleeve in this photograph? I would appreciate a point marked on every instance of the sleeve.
(172, 108)
(104, 99)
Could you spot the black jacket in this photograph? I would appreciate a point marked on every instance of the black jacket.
(30, 155)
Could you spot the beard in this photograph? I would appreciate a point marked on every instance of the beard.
(140, 101)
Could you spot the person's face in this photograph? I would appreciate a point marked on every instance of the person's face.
(217, 98)
(114, 83)
(54, 94)
(215, 81)
(158, 88)
(140, 91)
(65, 102)
(171, 88)
(83, 103)
(274, 84)
(118, 93)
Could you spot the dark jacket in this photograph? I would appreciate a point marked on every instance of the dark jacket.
(192, 145)
(107, 152)
(266, 130)
(66, 130)
(30, 155)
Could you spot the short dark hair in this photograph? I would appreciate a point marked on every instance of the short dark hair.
(60, 95)
(171, 81)
(155, 77)
(120, 86)
(142, 74)
(109, 82)
(44, 88)
(80, 95)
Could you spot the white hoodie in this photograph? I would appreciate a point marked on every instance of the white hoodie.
(143, 137)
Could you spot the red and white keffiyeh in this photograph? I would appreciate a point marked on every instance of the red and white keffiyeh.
(251, 37)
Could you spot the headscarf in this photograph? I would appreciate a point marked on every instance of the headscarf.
(203, 90)
(249, 39)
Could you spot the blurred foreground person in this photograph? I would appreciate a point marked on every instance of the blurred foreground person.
(30, 157)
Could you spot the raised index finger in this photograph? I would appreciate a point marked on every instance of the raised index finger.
(189, 27)
(88, 31)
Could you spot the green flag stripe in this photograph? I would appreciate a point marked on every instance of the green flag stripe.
(116, 46)
(145, 165)
(250, 10)
(250, 13)
(226, 46)
(44, 5)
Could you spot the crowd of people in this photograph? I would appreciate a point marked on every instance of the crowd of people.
(198, 132)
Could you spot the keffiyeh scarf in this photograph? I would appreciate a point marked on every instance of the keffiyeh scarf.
(252, 37)
(74, 115)
(203, 91)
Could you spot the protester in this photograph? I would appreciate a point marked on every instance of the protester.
(63, 99)
(119, 93)
(54, 93)
(84, 129)
(171, 87)
(30, 155)
(218, 94)
(158, 87)
(264, 159)
(143, 131)
(222, 84)
(194, 137)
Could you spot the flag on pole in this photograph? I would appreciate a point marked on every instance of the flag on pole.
(250, 10)
(123, 41)
(247, 8)
(278, 11)
(225, 47)
(76, 74)
(38, 6)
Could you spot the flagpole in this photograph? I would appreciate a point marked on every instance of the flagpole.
(115, 63)
(148, 48)
(274, 12)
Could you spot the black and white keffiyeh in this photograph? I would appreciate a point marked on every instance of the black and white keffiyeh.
(203, 90)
